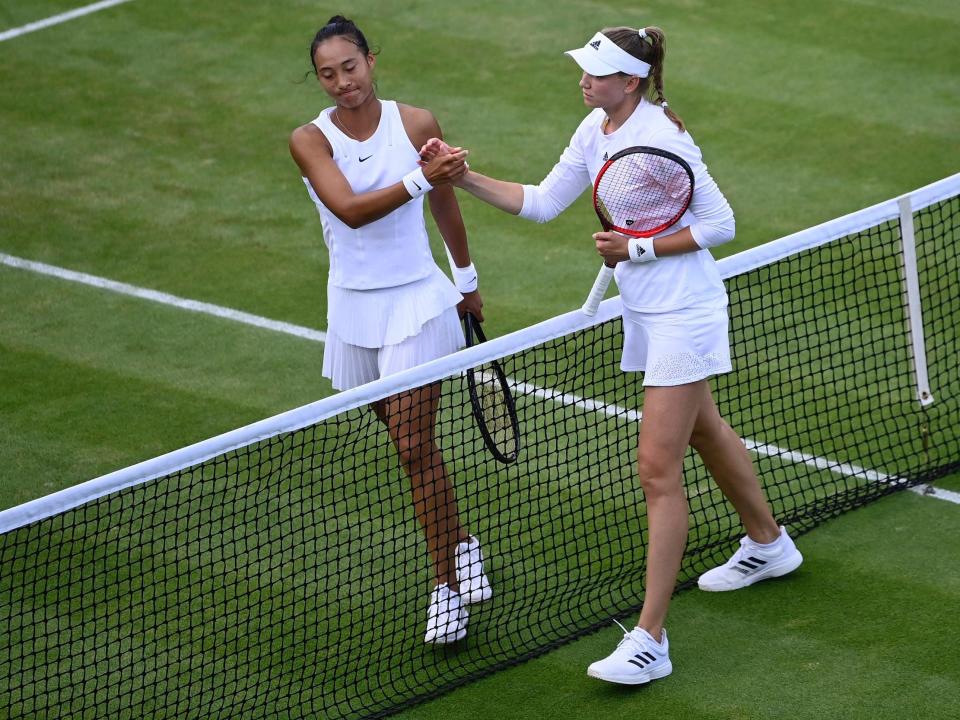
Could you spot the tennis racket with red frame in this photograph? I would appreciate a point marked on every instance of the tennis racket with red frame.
(639, 192)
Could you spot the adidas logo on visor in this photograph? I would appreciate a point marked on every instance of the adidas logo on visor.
(603, 57)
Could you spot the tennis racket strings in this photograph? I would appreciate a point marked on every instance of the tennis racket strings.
(493, 404)
(641, 192)
(496, 408)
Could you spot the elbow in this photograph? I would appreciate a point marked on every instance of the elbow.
(536, 207)
(721, 235)
(729, 230)
(536, 217)
(354, 218)
(349, 220)
(708, 235)
(724, 228)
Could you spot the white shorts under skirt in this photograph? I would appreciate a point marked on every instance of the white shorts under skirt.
(348, 365)
(677, 347)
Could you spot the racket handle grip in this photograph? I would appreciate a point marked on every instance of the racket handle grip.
(598, 290)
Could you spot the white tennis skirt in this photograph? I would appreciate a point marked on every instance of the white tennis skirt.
(676, 347)
(348, 365)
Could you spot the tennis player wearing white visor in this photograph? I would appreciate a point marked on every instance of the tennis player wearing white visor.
(675, 332)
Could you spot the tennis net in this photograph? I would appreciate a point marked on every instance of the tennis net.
(279, 571)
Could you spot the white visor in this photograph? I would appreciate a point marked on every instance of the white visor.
(602, 56)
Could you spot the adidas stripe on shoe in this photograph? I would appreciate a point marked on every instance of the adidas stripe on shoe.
(637, 660)
(753, 562)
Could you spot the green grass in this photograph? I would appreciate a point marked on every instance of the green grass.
(159, 158)
(103, 381)
(860, 631)
(147, 143)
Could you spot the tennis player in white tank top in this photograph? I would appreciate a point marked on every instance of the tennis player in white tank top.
(675, 331)
(389, 306)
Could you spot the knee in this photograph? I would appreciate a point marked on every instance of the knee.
(413, 450)
(658, 476)
(408, 449)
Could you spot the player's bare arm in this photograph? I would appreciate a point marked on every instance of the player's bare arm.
(312, 153)
(507, 196)
(421, 125)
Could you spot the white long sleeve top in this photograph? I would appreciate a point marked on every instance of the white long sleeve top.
(671, 282)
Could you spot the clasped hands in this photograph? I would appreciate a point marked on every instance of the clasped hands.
(443, 164)
(610, 245)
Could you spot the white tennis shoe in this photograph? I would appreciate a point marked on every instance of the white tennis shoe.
(474, 585)
(753, 562)
(637, 660)
(446, 617)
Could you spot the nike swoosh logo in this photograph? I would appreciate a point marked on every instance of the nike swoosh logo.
(366, 158)
(415, 184)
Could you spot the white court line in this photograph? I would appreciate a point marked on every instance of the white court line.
(57, 19)
(163, 298)
(814, 461)
(566, 399)
(575, 401)
(940, 494)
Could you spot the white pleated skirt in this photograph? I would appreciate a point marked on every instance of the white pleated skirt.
(375, 333)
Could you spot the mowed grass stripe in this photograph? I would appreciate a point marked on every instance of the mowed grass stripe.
(216, 204)
(165, 147)
(100, 381)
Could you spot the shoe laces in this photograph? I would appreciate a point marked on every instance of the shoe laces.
(629, 644)
(741, 551)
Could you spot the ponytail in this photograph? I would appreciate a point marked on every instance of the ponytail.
(650, 45)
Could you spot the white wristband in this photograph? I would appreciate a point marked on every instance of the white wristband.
(464, 278)
(641, 250)
(416, 183)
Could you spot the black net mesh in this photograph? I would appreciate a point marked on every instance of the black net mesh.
(290, 578)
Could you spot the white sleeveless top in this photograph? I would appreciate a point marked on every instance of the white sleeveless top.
(383, 284)
(395, 249)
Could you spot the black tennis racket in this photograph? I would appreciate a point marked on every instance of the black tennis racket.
(492, 402)
(639, 192)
